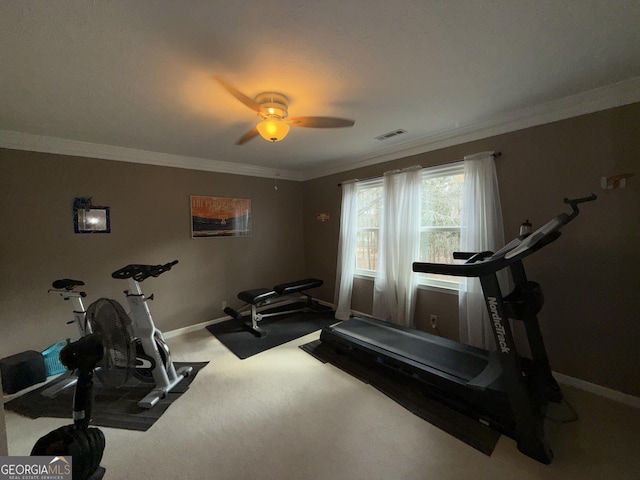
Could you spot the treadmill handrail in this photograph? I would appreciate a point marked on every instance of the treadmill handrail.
(510, 253)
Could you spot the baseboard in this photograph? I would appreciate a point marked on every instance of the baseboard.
(193, 328)
(609, 393)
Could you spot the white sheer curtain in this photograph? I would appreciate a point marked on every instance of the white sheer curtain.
(482, 229)
(399, 246)
(346, 250)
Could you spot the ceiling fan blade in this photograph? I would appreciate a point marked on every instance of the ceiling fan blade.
(321, 122)
(249, 102)
(248, 136)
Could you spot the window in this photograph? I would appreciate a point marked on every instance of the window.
(369, 201)
(441, 217)
(440, 222)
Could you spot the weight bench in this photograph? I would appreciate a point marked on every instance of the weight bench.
(259, 298)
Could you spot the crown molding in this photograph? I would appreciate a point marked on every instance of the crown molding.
(61, 146)
(610, 96)
(603, 98)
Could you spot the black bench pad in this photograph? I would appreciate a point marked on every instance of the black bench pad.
(299, 286)
(257, 295)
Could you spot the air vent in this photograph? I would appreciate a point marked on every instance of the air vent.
(395, 133)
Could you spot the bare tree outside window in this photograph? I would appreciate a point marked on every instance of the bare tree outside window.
(369, 218)
(440, 221)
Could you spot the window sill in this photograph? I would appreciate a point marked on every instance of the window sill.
(421, 286)
(439, 289)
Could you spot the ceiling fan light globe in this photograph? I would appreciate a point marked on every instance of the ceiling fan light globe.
(273, 129)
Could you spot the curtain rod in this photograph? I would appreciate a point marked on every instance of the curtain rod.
(494, 155)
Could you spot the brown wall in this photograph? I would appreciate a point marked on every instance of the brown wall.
(150, 223)
(590, 276)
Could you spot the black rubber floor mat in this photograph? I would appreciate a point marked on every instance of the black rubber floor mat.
(281, 329)
(113, 407)
(411, 394)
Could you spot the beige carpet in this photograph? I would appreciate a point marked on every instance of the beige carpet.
(283, 415)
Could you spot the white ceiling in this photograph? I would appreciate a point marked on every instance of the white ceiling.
(133, 80)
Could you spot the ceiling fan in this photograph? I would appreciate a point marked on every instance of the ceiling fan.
(272, 108)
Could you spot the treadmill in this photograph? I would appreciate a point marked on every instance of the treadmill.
(500, 388)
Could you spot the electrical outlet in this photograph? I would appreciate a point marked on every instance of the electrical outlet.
(434, 320)
(224, 304)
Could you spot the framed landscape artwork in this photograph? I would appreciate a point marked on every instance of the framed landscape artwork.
(220, 217)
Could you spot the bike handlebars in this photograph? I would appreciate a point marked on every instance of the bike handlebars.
(142, 272)
(574, 204)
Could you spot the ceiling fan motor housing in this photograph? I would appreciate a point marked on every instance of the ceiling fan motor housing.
(273, 104)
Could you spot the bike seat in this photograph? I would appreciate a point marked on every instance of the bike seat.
(66, 284)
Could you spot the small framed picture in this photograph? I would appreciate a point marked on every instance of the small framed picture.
(91, 219)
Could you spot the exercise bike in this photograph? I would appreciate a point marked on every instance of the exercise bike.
(66, 287)
(153, 358)
(144, 364)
